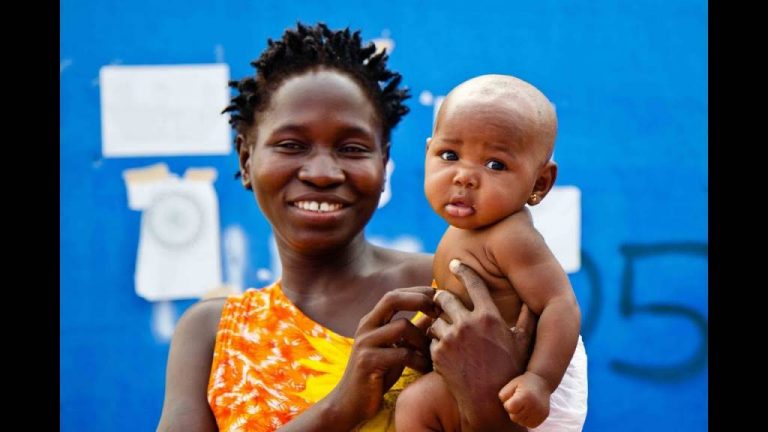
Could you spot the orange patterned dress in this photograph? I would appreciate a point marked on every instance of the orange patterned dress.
(271, 362)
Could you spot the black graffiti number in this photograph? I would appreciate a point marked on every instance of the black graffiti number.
(589, 318)
(628, 309)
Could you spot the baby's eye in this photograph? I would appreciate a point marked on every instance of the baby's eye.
(449, 156)
(495, 165)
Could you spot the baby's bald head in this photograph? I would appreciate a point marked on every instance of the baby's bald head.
(521, 106)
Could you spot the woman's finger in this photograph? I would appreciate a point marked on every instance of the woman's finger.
(452, 307)
(399, 332)
(413, 337)
(389, 358)
(526, 321)
(439, 329)
(403, 299)
(433, 347)
(476, 288)
(423, 322)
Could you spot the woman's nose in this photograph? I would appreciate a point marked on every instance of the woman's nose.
(321, 170)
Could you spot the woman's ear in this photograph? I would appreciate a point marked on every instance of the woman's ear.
(385, 151)
(244, 157)
(544, 182)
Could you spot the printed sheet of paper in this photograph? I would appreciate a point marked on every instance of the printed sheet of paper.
(166, 110)
(558, 219)
(179, 253)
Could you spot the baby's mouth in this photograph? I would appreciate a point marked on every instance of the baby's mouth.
(459, 208)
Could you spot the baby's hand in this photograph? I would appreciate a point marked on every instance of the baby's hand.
(526, 399)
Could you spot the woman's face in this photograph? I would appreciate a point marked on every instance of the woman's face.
(315, 162)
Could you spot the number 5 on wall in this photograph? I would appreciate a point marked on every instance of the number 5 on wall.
(628, 309)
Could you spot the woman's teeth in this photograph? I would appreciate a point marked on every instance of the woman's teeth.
(315, 206)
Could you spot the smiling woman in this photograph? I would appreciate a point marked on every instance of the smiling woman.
(329, 346)
(317, 176)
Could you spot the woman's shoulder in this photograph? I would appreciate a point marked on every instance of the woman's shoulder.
(202, 318)
(207, 313)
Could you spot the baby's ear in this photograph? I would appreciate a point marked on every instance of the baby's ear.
(544, 182)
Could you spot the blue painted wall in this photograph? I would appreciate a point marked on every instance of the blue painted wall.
(629, 80)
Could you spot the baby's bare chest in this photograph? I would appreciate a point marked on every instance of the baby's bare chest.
(472, 249)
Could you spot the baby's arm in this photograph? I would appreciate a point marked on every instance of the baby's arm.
(523, 256)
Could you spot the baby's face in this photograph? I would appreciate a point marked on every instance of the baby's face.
(481, 165)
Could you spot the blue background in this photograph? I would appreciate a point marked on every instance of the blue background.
(629, 80)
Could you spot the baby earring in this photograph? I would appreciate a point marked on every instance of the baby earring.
(533, 199)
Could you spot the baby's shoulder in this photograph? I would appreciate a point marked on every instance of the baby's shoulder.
(519, 222)
(514, 234)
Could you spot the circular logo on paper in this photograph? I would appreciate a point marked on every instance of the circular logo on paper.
(175, 219)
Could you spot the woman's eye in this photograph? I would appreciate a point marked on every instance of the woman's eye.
(449, 156)
(354, 148)
(290, 145)
(495, 165)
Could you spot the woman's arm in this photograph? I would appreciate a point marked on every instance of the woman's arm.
(186, 408)
(477, 354)
(382, 349)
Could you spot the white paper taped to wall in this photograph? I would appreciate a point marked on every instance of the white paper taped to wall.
(558, 219)
(164, 110)
(178, 256)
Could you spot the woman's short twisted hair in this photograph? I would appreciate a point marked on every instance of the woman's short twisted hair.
(311, 47)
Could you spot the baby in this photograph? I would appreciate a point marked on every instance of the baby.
(490, 154)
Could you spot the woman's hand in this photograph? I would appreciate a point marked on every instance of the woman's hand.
(382, 349)
(476, 353)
